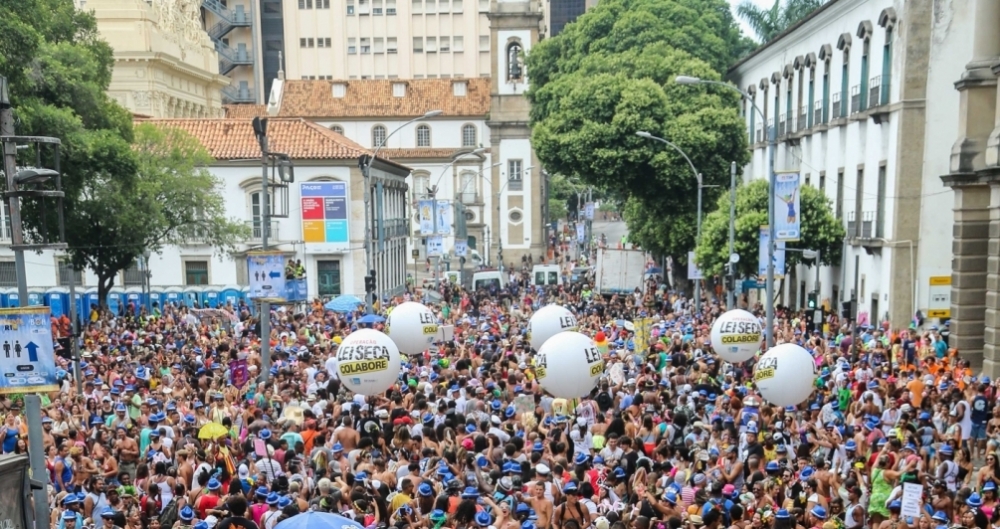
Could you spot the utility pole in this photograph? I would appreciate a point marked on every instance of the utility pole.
(260, 130)
(32, 402)
(731, 301)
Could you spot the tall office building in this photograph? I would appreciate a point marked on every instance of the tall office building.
(386, 39)
(558, 13)
(233, 28)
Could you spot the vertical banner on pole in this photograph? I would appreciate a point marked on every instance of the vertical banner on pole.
(425, 210)
(693, 272)
(379, 217)
(443, 211)
(588, 211)
(581, 233)
(28, 361)
(779, 255)
(787, 221)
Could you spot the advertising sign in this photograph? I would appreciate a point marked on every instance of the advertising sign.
(779, 255)
(444, 217)
(588, 211)
(693, 272)
(787, 210)
(461, 248)
(435, 246)
(425, 214)
(27, 362)
(324, 216)
(267, 274)
(239, 374)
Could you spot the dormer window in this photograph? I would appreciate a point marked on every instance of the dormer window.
(399, 89)
(459, 88)
(339, 90)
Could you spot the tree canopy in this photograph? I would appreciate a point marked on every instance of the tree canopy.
(610, 74)
(770, 22)
(820, 230)
(126, 190)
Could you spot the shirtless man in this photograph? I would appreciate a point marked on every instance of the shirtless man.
(825, 482)
(940, 499)
(127, 452)
(346, 435)
(185, 471)
(542, 506)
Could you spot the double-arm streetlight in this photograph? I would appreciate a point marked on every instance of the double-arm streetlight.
(771, 144)
(432, 191)
(697, 176)
(366, 169)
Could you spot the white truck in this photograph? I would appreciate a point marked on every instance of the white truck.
(619, 270)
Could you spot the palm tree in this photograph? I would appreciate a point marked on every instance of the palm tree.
(770, 22)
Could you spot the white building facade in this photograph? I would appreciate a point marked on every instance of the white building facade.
(861, 95)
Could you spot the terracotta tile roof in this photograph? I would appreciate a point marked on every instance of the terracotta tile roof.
(245, 111)
(230, 139)
(374, 98)
(419, 152)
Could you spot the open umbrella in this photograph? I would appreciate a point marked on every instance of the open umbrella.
(317, 520)
(212, 431)
(371, 318)
(344, 303)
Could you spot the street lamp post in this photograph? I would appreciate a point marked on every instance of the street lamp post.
(432, 191)
(771, 144)
(366, 169)
(697, 175)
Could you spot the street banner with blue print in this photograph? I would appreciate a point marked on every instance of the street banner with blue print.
(425, 215)
(779, 255)
(787, 207)
(28, 360)
(461, 248)
(267, 274)
(435, 246)
(444, 217)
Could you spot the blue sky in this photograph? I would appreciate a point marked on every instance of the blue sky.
(762, 3)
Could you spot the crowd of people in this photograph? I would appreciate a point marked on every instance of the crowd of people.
(164, 434)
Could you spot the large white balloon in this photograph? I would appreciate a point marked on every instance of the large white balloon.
(568, 365)
(549, 321)
(736, 335)
(368, 362)
(412, 326)
(785, 375)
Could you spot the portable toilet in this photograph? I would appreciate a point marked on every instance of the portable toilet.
(230, 294)
(81, 314)
(57, 299)
(155, 296)
(5, 297)
(90, 299)
(245, 298)
(211, 297)
(36, 296)
(192, 296)
(173, 295)
(135, 296)
(116, 300)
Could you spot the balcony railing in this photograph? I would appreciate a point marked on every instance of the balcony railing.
(258, 229)
(395, 228)
(875, 91)
(856, 99)
(760, 134)
(238, 94)
(836, 105)
(817, 112)
(863, 229)
(781, 125)
(803, 120)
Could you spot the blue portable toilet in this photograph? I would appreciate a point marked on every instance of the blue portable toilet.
(211, 297)
(116, 300)
(5, 297)
(36, 296)
(155, 296)
(89, 299)
(57, 299)
(81, 315)
(173, 295)
(136, 297)
(230, 294)
(245, 298)
(192, 296)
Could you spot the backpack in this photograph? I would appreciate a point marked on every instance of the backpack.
(604, 401)
(169, 515)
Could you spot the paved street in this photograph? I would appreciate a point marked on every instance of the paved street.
(613, 230)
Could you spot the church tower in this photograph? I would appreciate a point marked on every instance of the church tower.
(518, 187)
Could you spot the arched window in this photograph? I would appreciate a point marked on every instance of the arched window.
(378, 136)
(421, 180)
(423, 136)
(338, 129)
(469, 136)
(467, 187)
(515, 62)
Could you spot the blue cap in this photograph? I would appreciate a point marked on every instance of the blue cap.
(69, 515)
(850, 445)
(120, 407)
(190, 419)
(261, 492)
(670, 496)
(619, 472)
(989, 485)
(782, 514)
(213, 484)
(483, 519)
(772, 466)
(186, 514)
(264, 434)
(580, 459)
(438, 514)
(570, 488)
(940, 516)
(108, 512)
(496, 404)
(337, 447)
(819, 512)
(806, 473)
(974, 500)
(510, 467)
(538, 447)
(425, 490)
(482, 461)
(470, 493)
(522, 508)
(70, 499)
(470, 428)
(924, 416)
(946, 450)
(895, 504)
(285, 501)
(201, 525)
(46, 420)
(528, 524)
(272, 498)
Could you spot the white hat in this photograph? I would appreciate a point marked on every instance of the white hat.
(601, 523)
(542, 468)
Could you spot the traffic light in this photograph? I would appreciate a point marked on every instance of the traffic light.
(370, 282)
(811, 299)
(847, 309)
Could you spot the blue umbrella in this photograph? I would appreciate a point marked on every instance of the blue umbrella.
(345, 303)
(655, 270)
(371, 318)
(317, 520)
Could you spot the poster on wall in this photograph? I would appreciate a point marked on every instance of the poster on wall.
(779, 255)
(787, 209)
(266, 271)
(28, 360)
(324, 216)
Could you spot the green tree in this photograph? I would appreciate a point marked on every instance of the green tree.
(768, 23)
(820, 230)
(610, 74)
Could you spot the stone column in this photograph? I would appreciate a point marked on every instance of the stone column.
(978, 99)
(969, 264)
(991, 334)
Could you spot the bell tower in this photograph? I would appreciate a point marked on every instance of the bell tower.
(518, 191)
